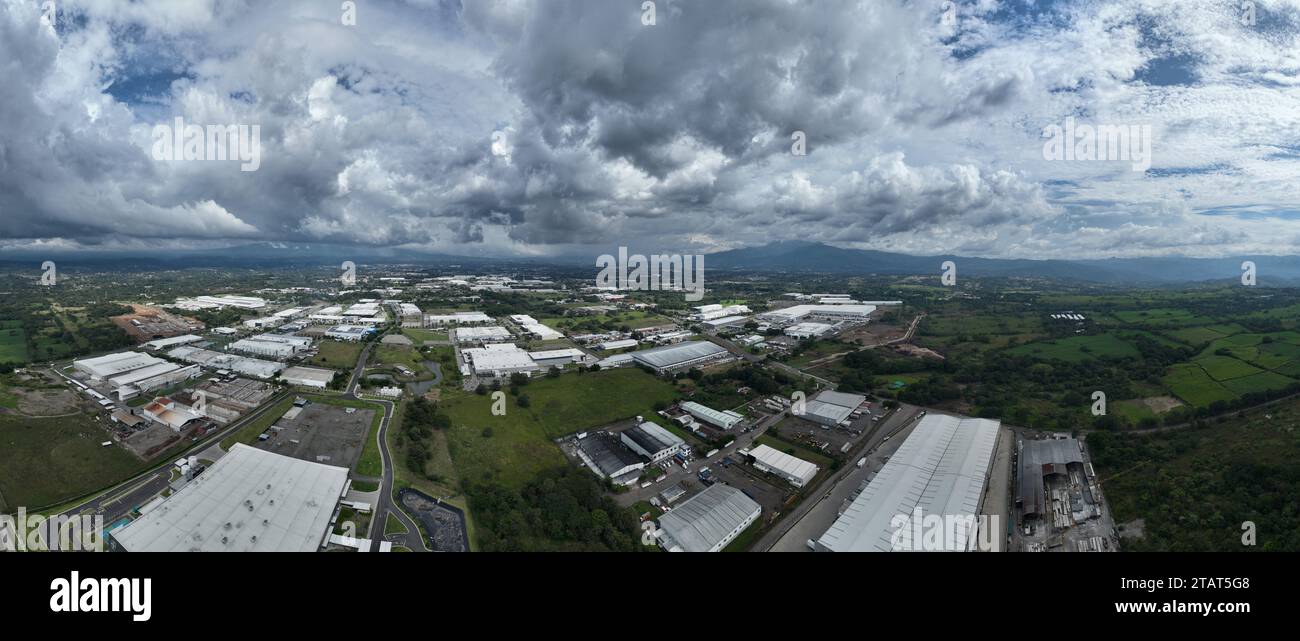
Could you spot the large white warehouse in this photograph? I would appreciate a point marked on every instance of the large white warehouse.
(941, 470)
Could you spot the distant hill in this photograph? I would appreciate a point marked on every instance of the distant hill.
(803, 256)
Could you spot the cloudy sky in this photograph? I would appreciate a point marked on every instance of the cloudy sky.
(518, 127)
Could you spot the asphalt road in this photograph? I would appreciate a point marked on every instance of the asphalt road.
(412, 539)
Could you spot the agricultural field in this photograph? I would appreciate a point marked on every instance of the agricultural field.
(421, 335)
(1078, 348)
(1172, 317)
(513, 448)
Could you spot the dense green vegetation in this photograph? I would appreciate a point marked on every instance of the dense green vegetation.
(1194, 488)
(561, 509)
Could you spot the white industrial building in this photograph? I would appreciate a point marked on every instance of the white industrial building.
(832, 408)
(485, 334)
(250, 500)
(725, 321)
(724, 419)
(132, 384)
(107, 366)
(672, 358)
(708, 521)
(807, 330)
(307, 376)
(801, 313)
(559, 357)
(254, 367)
(498, 360)
(363, 309)
(941, 470)
(793, 469)
(270, 322)
(263, 348)
(457, 318)
(530, 325)
(618, 344)
(165, 411)
(163, 343)
(651, 441)
(713, 312)
(350, 333)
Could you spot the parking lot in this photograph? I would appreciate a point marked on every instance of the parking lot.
(321, 433)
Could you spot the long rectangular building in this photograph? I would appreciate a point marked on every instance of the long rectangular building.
(941, 470)
(672, 358)
(250, 500)
(793, 469)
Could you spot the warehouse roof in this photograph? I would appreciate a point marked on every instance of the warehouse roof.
(501, 357)
(607, 453)
(307, 374)
(939, 469)
(1038, 459)
(113, 364)
(670, 355)
(250, 500)
(842, 399)
(704, 520)
(726, 420)
(787, 464)
(653, 438)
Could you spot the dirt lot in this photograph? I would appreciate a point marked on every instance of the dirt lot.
(322, 434)
(155, 323)
(47, 402)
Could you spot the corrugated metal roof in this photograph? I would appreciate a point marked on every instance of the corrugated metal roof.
(940, 469)
(787, 464)
(670, 355)
(704, 520)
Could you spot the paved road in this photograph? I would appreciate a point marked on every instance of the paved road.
(813, 516)
(385, 505)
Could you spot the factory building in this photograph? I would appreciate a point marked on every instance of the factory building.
(940, 470)
(254, 367)
(618, 344)
(725, 321)
(832, 409)
(651, 441)
(349, 333)
(250, 500)
(831, 313)
(164, 343)
(609, 459)
(263, 348)
(673, 358)
(481, 334)
(725, 419)
(559, 357)
(713, 312)
(795, 470)
(498, 360)
(708, 521)
(807, 330)
(308, 376)
(103, 367)
(1039, 462)
(457, 318)
(133, 384)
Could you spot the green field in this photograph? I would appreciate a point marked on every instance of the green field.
(1222, 368)
(13, 343)
(44, 461)
(337, 354)
(519, 444)
(421, 335)
(1192, 384)
(1162, 317)
(248, 433)
(403, 355)
(1078, 348)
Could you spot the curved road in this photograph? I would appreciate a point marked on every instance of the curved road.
(412, 539)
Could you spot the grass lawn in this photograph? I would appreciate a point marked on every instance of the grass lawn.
(49, 460)
(337, 354)
(394, 526)
(403, 355)
(519, 445)
(421, 335)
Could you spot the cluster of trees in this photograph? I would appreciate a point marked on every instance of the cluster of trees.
(1194, 491)
(421, 418)
(563, 509)
(863, 366)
